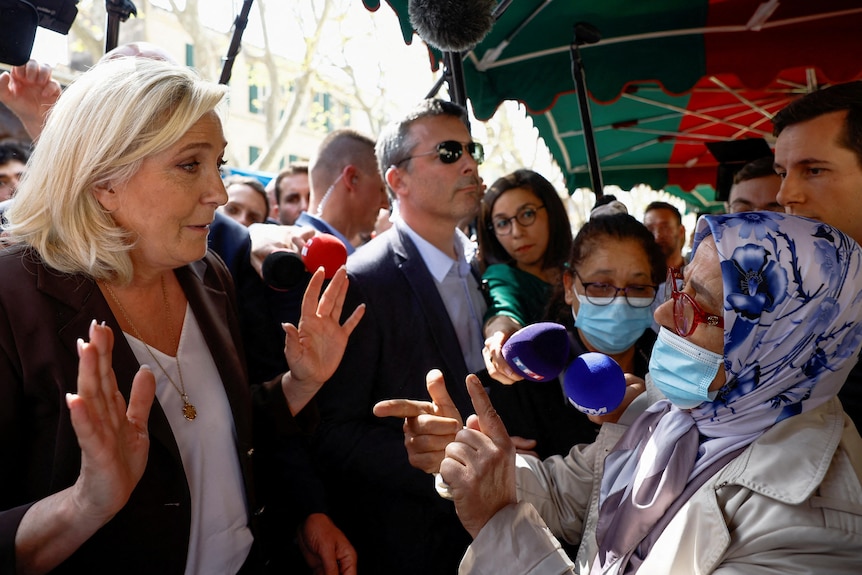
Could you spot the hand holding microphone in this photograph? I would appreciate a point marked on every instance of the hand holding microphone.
(593, 382)
(538, 352)
(283, 270)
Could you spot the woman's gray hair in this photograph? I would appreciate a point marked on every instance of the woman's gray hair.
(97, 135)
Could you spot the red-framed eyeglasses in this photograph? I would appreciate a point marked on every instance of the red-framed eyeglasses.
(686, 312)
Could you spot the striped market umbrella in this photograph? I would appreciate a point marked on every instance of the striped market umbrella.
(667, 77)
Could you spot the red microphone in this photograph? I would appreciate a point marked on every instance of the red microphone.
(284, 270)
(324, 251)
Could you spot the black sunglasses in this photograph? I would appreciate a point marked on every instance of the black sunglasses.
(450, 152)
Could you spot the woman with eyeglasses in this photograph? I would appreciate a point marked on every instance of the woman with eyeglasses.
(524, 239)
(750, 465)
(525, 236)
(609, 284)
(603, 298)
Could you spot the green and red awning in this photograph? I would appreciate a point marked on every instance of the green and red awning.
(667, 77)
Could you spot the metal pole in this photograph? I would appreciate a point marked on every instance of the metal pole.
(118, 11)
(235, 42)
(437, 85)
(584, 105)
(455, 78)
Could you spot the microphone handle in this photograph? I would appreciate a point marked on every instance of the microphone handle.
(283, 270)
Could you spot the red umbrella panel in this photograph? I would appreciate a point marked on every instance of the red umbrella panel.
(682, 72)
(651, 137)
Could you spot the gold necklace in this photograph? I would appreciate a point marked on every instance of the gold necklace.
(189, 411)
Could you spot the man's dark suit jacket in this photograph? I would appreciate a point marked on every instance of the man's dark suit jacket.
(42, 313)
(390, 510)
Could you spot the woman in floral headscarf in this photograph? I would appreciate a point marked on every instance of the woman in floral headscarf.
(751, 465)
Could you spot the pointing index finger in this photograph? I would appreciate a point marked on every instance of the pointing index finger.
(489, 421)
(402, 408)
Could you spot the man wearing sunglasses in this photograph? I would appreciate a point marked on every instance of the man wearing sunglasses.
(424, 312)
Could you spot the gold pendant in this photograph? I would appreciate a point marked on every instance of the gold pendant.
(189, 411)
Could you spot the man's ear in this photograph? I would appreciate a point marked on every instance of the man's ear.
(350, 176)
(106, 196)
(394, 179)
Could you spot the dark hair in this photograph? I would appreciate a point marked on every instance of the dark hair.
(559, 229)
(664, 206)
(252, 183)
(838, 98)
(393, 143)
(595, 232)
(620, 227)
(759, 168)
(291, 170)
(10, 151)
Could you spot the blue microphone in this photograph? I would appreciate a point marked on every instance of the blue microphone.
(538, 352)
(594, 383)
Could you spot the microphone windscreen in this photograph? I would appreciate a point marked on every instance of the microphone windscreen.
(324, 250)
(539, 351)
(283, 270)
(452, 25)
(594, 383)
(19, 21)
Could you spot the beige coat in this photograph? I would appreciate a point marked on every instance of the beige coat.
(791, 502)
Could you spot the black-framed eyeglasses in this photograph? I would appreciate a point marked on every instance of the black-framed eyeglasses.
(686, 312)
(601, 293)
(450, 152)
(525, 217)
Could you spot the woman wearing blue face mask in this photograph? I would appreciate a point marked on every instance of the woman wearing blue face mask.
(603, 295)
(750, 466)
(610, 282)
(525, 238)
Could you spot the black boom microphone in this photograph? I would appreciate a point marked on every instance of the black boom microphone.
(18, 22)
(452, 25)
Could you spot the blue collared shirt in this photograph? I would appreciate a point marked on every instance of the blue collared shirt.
(311, 221)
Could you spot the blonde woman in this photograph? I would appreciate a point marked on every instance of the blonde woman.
(108, 239)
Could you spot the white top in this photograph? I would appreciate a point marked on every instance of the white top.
(220, 538)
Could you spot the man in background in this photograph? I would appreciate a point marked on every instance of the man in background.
(347, 190)
(755, 188)
(292, 190)
(818, 156)
(664, 222)
(246, 200)
(13, 159)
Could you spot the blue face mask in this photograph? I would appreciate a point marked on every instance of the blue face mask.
(611, 328)
(683, 371)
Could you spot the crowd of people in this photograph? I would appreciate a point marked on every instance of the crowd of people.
(165, 409)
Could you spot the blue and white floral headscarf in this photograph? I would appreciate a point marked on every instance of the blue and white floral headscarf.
(792, 333)
(792, 318)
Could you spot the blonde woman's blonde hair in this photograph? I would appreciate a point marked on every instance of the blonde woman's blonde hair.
(97, 135)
